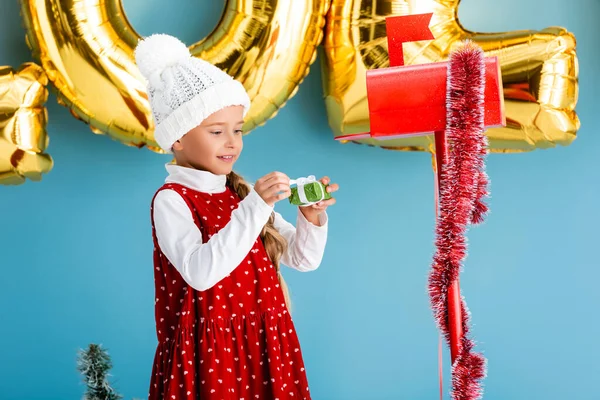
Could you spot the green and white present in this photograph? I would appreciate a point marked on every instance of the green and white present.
(308, 191)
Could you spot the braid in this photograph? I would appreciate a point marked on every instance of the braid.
(275, 243)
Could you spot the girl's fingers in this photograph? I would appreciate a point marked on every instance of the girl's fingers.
(332, 188)
(324, 204)
(272, 179)
(282, 190)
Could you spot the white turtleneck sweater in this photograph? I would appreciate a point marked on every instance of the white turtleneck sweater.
(203, 265)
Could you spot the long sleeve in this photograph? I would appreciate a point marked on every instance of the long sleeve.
(306, 242)
(203, 265)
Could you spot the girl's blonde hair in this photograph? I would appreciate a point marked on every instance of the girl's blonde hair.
(275, 243)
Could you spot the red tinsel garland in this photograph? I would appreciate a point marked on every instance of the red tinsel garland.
(463, 186)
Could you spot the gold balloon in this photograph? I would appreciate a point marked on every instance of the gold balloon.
(23, 120)
(539, 72)
(86, 48)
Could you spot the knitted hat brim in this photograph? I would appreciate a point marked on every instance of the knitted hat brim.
(191, 113)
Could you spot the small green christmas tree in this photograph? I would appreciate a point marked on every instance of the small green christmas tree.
(94, 363)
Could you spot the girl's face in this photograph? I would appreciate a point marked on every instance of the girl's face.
(215, 145)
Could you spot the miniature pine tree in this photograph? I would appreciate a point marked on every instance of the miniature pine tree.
(94, 364)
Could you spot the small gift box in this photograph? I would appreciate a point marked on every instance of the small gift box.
(308, 191)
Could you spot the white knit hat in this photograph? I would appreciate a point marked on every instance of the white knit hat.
(183, 89)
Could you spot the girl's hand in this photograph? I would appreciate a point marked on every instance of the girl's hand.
(273, 187)
(311, 213)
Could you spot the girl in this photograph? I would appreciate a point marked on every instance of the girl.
(223, 325)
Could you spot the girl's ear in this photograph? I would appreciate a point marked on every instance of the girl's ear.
(177, 146)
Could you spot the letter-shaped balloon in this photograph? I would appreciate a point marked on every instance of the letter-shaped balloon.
(23, 137)
(86, 49)
(539, 72)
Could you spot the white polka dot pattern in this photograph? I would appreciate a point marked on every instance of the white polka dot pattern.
(233, 341)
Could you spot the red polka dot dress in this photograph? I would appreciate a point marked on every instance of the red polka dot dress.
(235, 340)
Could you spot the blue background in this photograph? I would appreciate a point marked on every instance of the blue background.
(75, 248)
